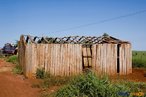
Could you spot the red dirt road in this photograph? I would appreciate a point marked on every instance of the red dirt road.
(12, 85)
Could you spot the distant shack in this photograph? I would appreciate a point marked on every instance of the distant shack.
(69, 56)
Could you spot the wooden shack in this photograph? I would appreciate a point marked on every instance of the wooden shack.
(69, 56)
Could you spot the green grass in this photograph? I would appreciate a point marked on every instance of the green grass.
(49, 80)
(12, 59)
(139, 59)
(90, 85)
(17, 69)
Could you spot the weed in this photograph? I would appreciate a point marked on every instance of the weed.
(17, 69)
(90, 85)
(40, 73)
(13, 59)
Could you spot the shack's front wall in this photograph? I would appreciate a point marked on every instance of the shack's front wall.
(57, 59)
(67, 59)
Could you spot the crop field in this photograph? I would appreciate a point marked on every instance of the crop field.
(139, 59)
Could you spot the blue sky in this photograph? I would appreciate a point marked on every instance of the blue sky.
(45, 17)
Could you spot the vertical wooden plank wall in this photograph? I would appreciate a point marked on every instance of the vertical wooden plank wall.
(66, 59)
(104, 58)
(57, 59)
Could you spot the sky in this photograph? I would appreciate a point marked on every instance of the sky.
(54, 18)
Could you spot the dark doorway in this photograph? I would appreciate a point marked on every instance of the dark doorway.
(118, 58)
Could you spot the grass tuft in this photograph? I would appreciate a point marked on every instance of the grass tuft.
(90, 85)
(13, 59)
(17, 69)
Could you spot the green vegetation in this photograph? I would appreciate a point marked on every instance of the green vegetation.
(40, 73)
(49, 80)
(13, 59)
(139, 59)
(17, 69)
(89, 85)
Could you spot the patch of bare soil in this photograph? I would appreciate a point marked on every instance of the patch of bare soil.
(5, 66)
(137, 75)
(12, 85)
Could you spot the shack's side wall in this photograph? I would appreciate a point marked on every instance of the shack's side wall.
(57, 59)
(104, 58)
(125, 59)
(21, 53)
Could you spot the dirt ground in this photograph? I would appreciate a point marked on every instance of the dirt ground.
(137, 75)
(12, 85)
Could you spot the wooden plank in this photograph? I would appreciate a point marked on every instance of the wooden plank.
(30, 63)
(99, 58)
(108, 63)
(73, 59)
(105, 58)
(115, 57)
(58, 59)
(65, 59)
(55, 59)
(102, 58)
(48, 58)
(34, 59)
(61, 59)
(68, 59)
(111, 59)
(70, 65)
(89, 58)
(121, 60)
(26, 61)
(51, 62)
(45, 56)
(125, 59)
(85, 59)
(80, 58)
(93, 57)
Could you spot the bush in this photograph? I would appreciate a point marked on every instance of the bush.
(49, 80)
(89, 85)
(40, 73)
(13, 59)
